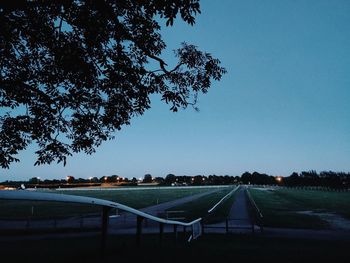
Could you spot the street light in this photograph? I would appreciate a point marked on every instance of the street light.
(279, 179)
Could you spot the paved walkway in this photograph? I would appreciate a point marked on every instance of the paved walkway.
(239, 220)
(239, 215)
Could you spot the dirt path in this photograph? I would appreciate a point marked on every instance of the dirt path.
(153, 210)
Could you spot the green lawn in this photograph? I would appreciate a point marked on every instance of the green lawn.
(134, 198)
(282, 207)
(208, 248)
(199, 207)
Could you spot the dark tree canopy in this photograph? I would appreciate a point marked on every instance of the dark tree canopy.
(147, 178)
(74, 72)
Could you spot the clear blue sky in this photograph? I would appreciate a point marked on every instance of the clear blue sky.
(284, 105)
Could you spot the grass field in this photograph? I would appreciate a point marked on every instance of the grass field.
(131, 197)
(208, 248)
(297, 208)
(199, 208)
(280, 207)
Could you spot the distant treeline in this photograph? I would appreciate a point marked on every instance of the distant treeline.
(324, 179)
(310, 178)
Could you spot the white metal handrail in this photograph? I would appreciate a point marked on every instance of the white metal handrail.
(40, 196)
(252, 201)
(222, 199)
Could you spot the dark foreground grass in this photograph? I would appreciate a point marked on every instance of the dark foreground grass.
(208, 248)
(11, 209)
(284, 207)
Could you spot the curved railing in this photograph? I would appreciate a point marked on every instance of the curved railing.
(106, 204)
(39, 196)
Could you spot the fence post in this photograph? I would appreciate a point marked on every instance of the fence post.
(105, 210)
(161, 230)
(175, 232)
(27, 223)
(81, 221)
(138, 230)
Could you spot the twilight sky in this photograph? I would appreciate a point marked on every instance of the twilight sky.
(284, 105)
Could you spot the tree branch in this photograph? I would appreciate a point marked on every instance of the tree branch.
(163, 64)
(59, 29)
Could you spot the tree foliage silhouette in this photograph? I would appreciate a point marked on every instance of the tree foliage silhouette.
(74, 72)
(147, 178)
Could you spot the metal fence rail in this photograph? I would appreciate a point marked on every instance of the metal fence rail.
(222, 199)
(106, 207)
(255, 212)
